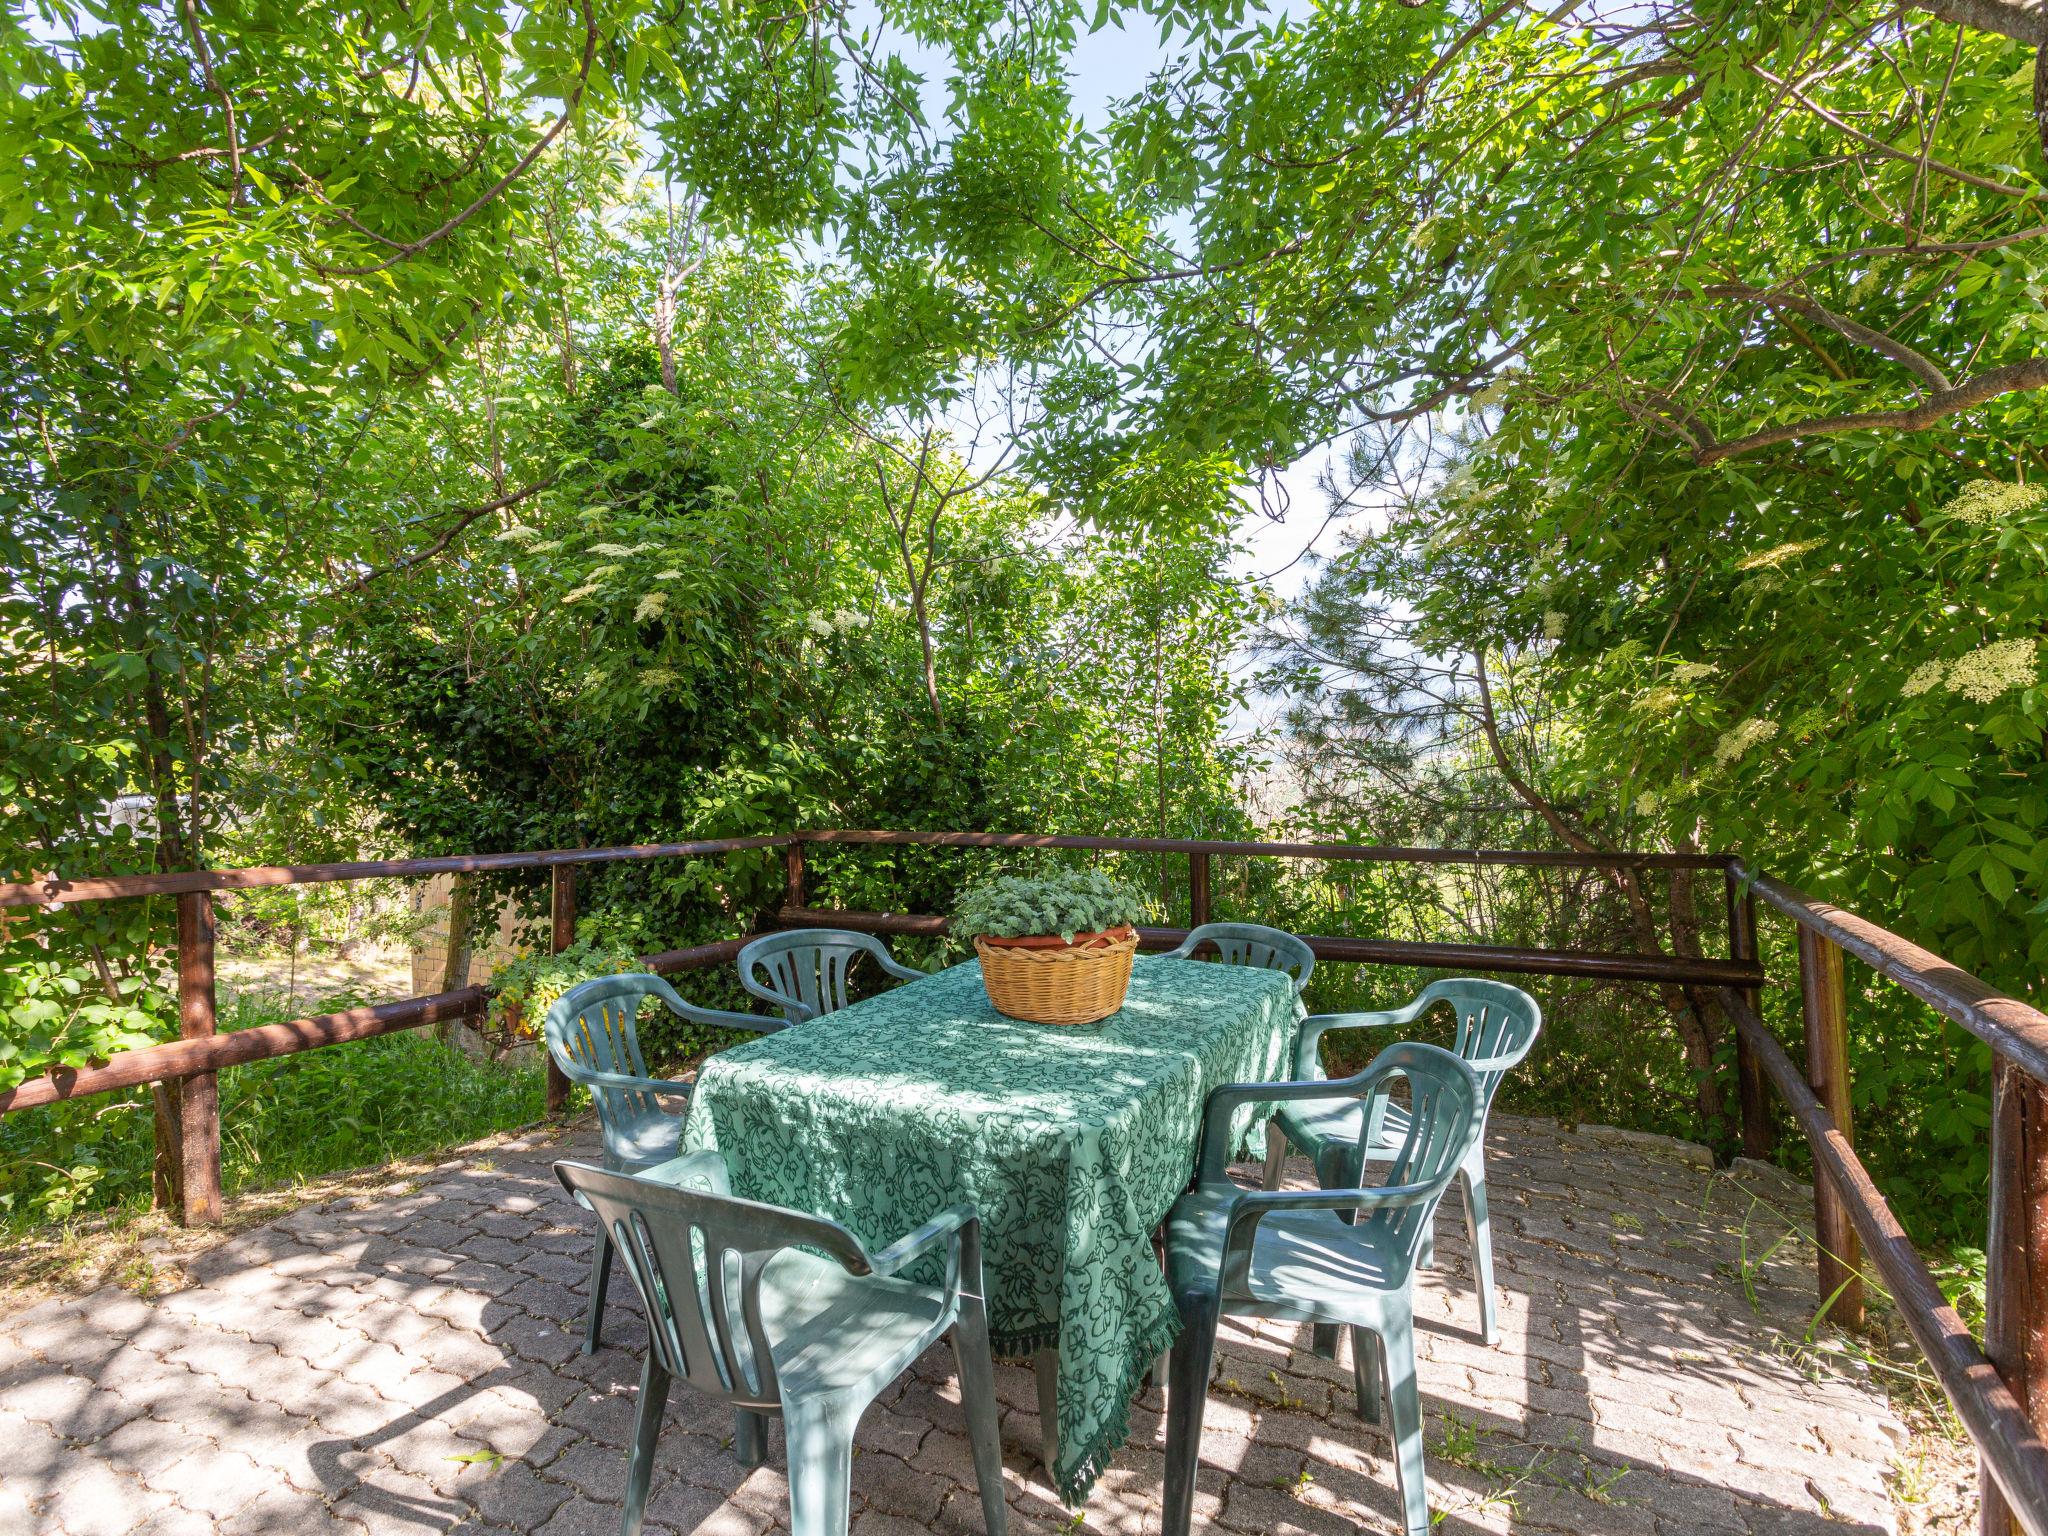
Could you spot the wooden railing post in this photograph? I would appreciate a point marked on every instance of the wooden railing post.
(1198, 889)
(1825, 1003)
(198, 1103)
(1752, 1092)
(562, 934)
(793, 872)
(2016, 1260)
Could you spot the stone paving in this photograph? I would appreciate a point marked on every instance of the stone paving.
(408, 1362)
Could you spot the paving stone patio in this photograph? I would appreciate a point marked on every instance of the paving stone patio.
(408, 1362)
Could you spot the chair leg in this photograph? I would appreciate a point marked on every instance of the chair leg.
(600, 1277)
(1366, 1372)
(646, 1431)
(750, 1436)
(1187, 1394)
(1404, 1421)
(1425, 1256)
(1276, 1155)
(820, 1470)
(1332, 1172)
(978, 1402)
(1480, 1232)
(1045, 1366)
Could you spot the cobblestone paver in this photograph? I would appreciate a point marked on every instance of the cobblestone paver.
(407, 1362)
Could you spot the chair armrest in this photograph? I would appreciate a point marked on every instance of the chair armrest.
(1309, 1038)
(795, 1012)
(591, 1078)
(725, 1019)
(901, 971)
(1214, 1157)
(958, 1226)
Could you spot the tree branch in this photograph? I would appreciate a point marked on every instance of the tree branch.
(2013, 378)
(414, 247)
(462, 520)
(2024, 21)
(1849, 330)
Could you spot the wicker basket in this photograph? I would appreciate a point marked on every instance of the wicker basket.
(1051, 981)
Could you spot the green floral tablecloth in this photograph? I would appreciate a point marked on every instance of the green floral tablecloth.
(1071, 1142)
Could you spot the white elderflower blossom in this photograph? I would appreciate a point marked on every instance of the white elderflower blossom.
(1647, 803)
(1659, 701)
(1771, 559)
(1692, 671)
(1924, 677)
(599, 573)
(655, 677)
(668, 575)
(518, 533)
(651, 606)
(1737, 741)
(1993, 669)
(612, 551)
(579, 593)
(819, 625)
(848, 619)
(1553, 625)
(1983, 502)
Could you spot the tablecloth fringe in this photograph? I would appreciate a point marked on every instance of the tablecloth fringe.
(1074, 1482)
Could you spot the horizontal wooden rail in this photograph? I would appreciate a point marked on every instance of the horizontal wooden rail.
(1370, 853)
(1471, 957)
(53, 890)
(2005, 1023)
(182, 1058)
(1987, 1406)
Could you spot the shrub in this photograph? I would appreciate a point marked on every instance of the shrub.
(1064, 902)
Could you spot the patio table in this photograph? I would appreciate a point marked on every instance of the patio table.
(1072, 1143)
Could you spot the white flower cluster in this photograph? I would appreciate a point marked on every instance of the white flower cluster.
(1647, 803)
(519, 533)
(1924, 677)
(1553, 625)
(838, 621)
(1734, 743)
(650, 606)
(1771, 559)
(1692, 671)
(1983, 502)
(580, 593)
(1980, 676)
(1993, 669)
(655, 677)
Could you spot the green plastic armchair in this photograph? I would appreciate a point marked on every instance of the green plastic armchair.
(1497, 1026)
(803, 972)
(775, 1311)
(592, 1036)
(1252, 944)
(1290, 1254)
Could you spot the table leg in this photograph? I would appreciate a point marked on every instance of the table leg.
(1046, 1366)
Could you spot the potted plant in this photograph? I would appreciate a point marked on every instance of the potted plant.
(1056, 948)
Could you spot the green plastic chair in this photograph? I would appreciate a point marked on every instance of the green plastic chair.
(775, 1311)
(1497, 1026)
(805, 969)
(1289, 1254)
(591, 1035)
(1252, 944)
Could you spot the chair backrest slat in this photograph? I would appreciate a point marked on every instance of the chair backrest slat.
(805, 973)
(1496, 1026)
(1256, 945)
(697, 1257)
(1445, 1119)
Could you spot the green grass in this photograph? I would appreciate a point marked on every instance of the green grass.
(282, 1121)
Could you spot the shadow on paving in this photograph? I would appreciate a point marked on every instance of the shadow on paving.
(409, 1362)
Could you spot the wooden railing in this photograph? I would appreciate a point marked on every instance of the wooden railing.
(2000, 1390)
